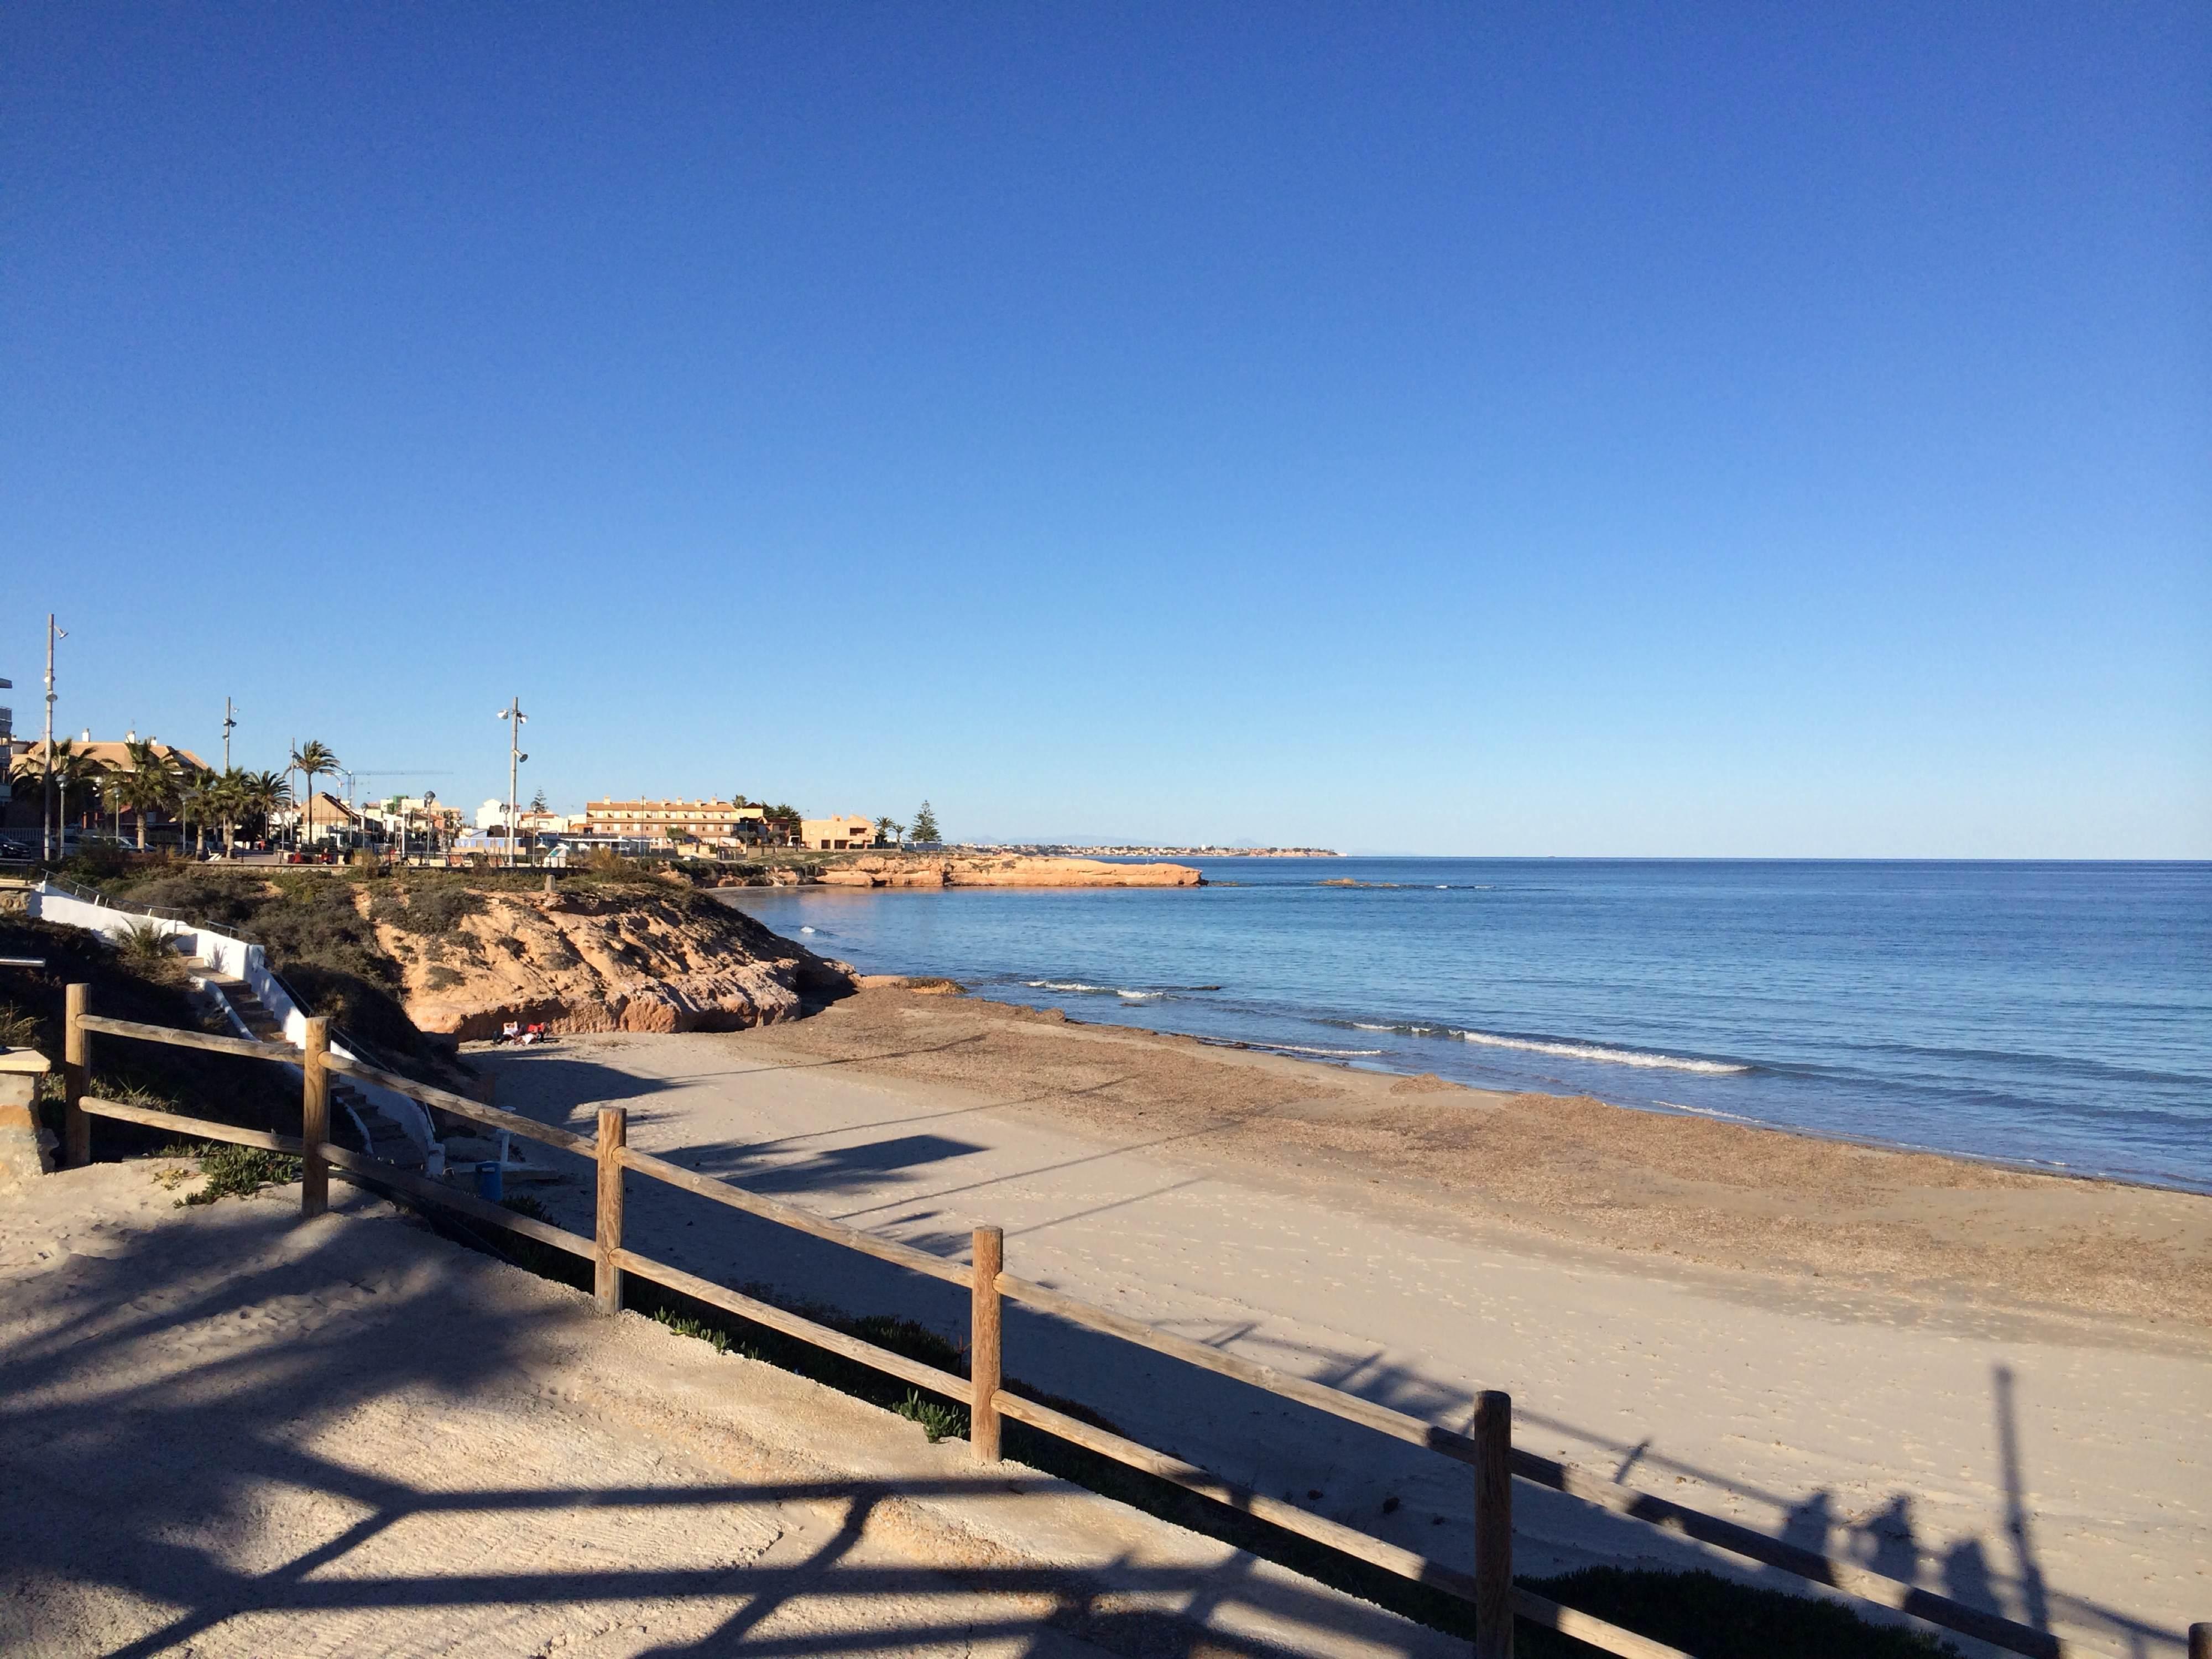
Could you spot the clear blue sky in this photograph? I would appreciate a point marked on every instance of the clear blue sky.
(1663, 429)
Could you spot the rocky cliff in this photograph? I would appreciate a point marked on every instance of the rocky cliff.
(594, 960)
(1001, 869)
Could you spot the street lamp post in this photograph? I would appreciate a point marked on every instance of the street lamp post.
(514, 717)
(46, 828)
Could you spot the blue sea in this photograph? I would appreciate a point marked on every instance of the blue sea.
(2055, 1015)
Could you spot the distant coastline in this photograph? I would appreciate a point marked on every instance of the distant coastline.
(1058, 850)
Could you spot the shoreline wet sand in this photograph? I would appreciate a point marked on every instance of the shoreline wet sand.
(1571, 1169)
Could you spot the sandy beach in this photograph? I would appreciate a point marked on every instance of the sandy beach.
(1995, 1383)
(224, 1431)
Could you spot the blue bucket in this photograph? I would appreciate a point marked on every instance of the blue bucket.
(489, 1183)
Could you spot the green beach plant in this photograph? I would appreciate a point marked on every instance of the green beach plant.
(938, 1420)
(146, 943)
(234, 1172)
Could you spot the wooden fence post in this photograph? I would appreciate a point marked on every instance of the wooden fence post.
(2200, 1642)
(985, 1348)
(606, 1277)
(314, 1118)
(77, 1074)
(1493, 1526)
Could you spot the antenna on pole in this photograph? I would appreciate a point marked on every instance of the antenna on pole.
(514, 717)
(47, 827)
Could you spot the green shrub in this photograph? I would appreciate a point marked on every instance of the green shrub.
(239, 1172)
(146, 943)
(18, 1030)
(427, 908)
(713, 1335)
(938, 1420)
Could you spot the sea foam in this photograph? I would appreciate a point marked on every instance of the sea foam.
(1564, 1050)
(1610, 1056)
(1127, 993)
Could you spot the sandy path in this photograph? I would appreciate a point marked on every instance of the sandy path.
(1907, 1431)
(224, 1431)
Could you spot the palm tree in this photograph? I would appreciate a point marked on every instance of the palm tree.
(263, 795)
(892, 827)
(150, 785)
(312, 758)
(225, 802)
(73, 768)
(112, 795)
(46, 768)
(85, 774)
(202, 801)
(191, 808)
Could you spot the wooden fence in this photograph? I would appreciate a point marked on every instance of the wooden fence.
(1489, 1452)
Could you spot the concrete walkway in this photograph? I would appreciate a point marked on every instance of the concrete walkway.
(225, 1431)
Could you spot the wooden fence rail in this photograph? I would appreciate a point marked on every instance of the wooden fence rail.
(1493, 1461)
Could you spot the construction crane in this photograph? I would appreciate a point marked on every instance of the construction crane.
(392, 772)
(418, 772)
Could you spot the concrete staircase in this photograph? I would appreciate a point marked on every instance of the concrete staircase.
(252, 1011)
(351, 1115)
(355, 1121)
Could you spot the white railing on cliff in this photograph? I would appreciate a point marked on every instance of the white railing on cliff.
(228, 954)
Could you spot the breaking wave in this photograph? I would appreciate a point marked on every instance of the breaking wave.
(1289, 1047)
(1636, 1057)
(1610, 1056)
(1128, 993)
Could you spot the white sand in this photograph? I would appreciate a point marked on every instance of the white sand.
(1906, 1432)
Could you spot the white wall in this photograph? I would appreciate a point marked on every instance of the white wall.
(239, 960)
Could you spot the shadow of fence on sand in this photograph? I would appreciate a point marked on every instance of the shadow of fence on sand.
(236, 1420)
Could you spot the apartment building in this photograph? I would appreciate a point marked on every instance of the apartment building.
(712, 822)
(837, 833)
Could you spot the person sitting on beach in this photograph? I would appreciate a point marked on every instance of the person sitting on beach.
(510, 1031)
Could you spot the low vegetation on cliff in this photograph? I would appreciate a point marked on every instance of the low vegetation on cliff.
(457, 954)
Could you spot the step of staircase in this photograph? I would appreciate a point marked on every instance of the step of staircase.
(388, 1142)
(239, 994)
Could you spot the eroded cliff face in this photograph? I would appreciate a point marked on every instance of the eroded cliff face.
(1008, 870)
(595, 960)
